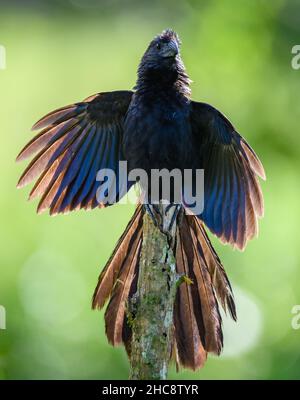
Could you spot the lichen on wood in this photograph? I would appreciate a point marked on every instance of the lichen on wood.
(151, 308)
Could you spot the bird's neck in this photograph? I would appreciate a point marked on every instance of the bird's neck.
(155, 80)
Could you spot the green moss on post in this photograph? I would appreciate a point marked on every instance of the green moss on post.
(153, 303)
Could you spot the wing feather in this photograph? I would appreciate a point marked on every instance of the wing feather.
(75, 142)
(233, 200)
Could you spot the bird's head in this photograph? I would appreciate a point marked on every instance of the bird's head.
(161, 65)
(163, 50)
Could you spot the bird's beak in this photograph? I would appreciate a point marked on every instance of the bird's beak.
(171, 50)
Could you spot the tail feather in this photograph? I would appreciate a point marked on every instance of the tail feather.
(116, 309)
(197, 320)
(207, 310)
(215, 268)
(191, 353)
(127, 332)
(110, 273)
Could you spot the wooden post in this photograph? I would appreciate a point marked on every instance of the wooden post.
(152, 305)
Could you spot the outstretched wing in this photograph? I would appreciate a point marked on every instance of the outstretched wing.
(77, 141)
(232, 196)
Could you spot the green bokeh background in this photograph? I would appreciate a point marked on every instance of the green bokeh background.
(238, 54)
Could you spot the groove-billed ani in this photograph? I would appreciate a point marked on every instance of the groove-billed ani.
(155, 126)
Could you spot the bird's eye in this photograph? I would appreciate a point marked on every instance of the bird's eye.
(158, 46)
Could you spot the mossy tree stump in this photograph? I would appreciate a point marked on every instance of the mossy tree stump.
(152, 305)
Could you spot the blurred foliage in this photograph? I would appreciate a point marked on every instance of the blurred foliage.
(239, 57)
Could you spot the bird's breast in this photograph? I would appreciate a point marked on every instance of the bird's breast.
(157, 137)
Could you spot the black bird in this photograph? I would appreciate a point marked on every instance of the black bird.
(156, 125)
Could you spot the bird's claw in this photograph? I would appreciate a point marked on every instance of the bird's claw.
(157, 216)
(174, 216)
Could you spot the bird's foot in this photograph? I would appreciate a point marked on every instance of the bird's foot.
(155, 214)
(165, 216)
(177, 208)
